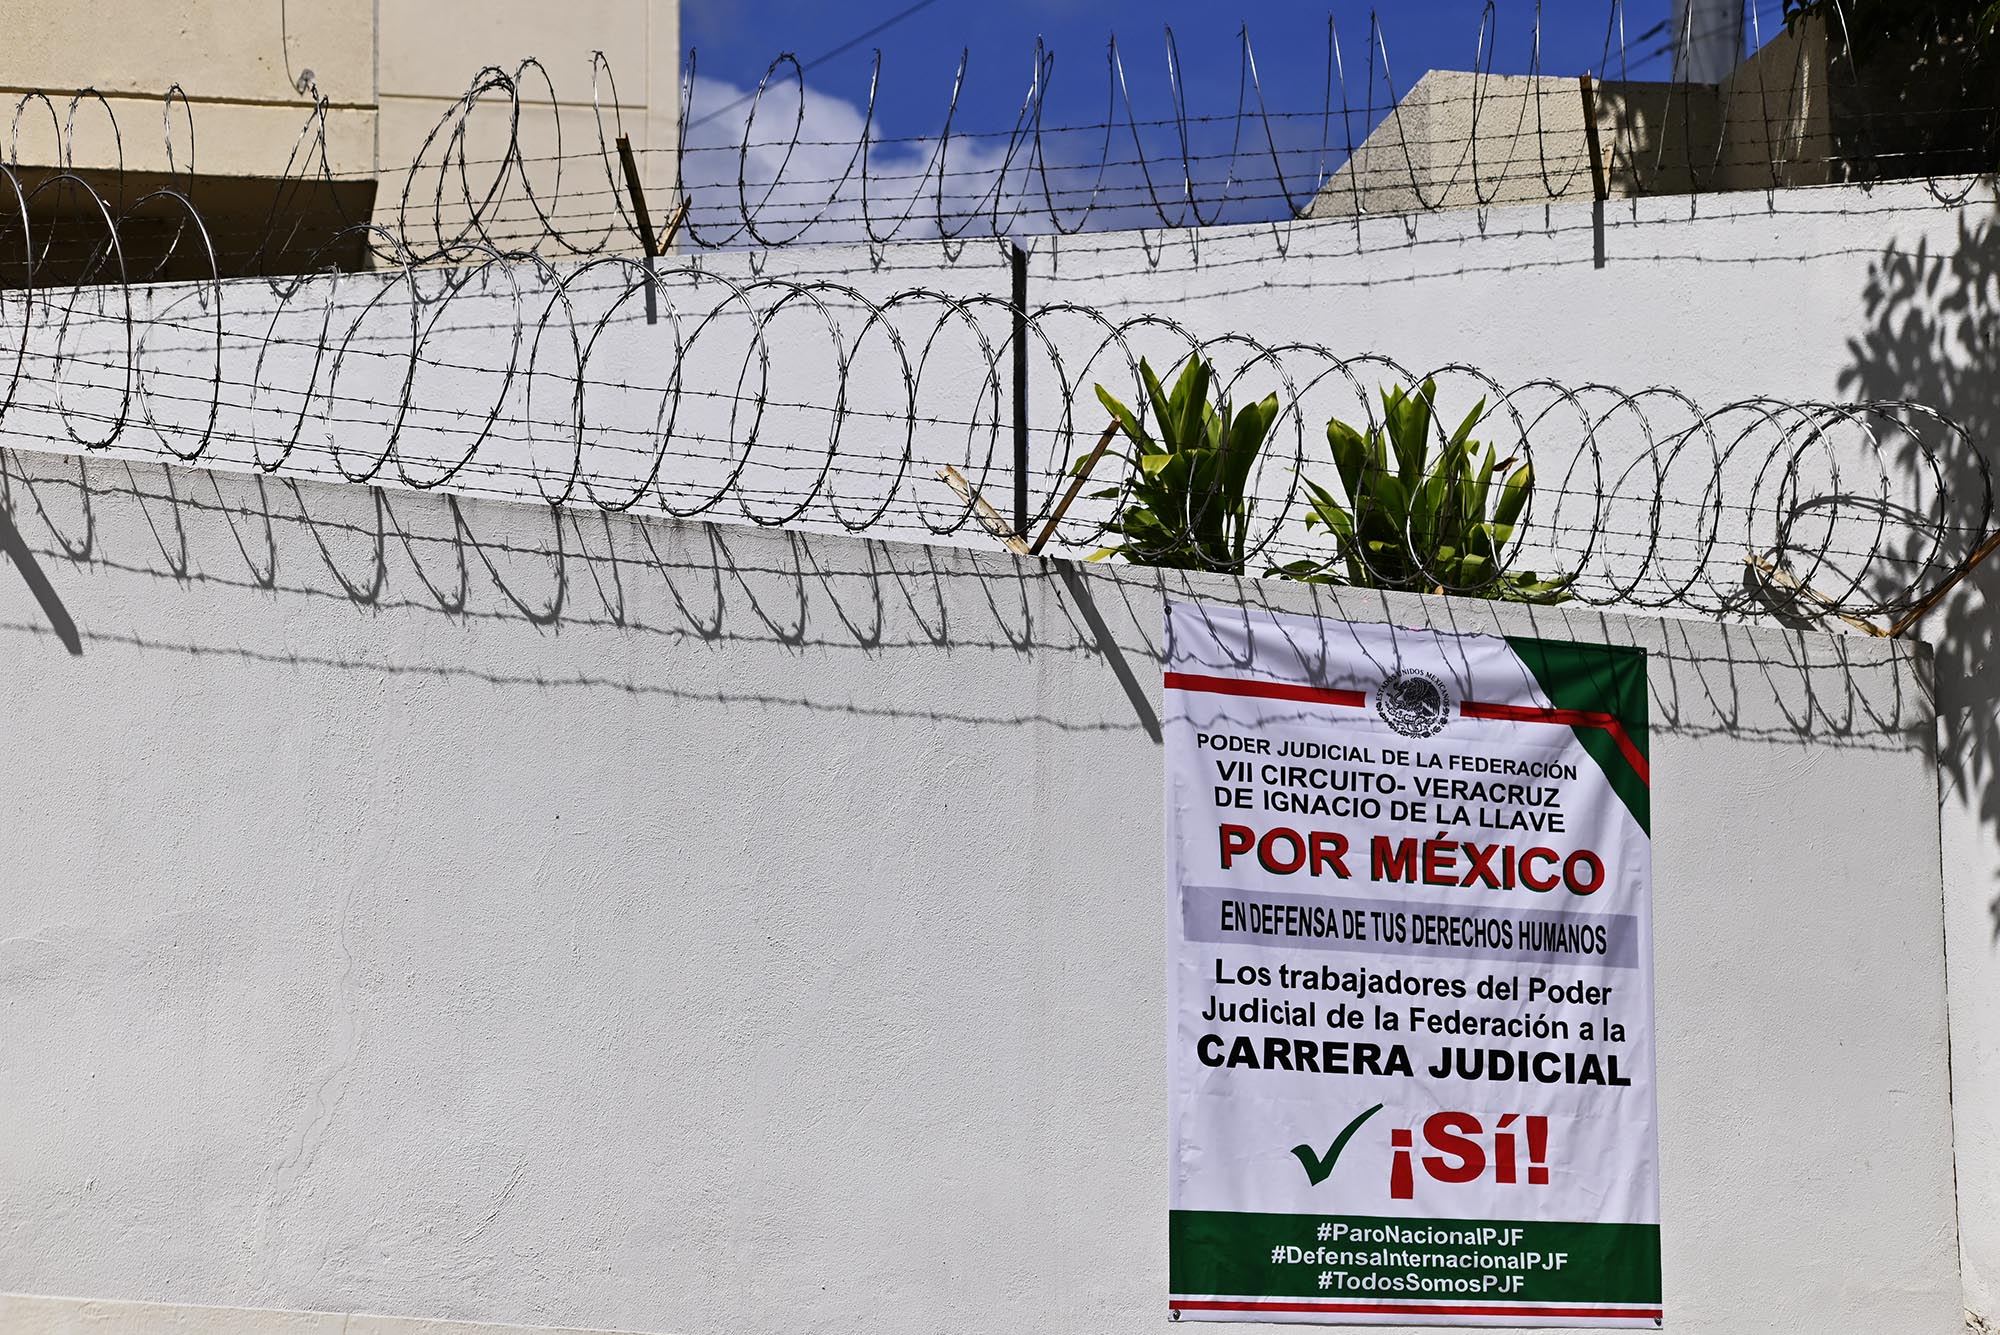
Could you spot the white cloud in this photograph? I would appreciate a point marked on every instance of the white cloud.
(796, 172)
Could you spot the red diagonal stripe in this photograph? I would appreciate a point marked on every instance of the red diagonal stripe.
(1574, 718)
(1320, 695)
(1265, 690)
(1414, 1309)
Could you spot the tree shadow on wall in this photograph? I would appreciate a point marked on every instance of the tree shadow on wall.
(1933, 336)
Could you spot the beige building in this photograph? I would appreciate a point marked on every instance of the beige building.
(399, 141)
(1459, 139)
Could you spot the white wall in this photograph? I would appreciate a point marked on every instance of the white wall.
(1824, 294)
(1831, 293)
(458, 908)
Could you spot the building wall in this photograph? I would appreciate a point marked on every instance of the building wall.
(1460, 139)
(465, 909)
(429, 53)
(236, 64)
(391, 71)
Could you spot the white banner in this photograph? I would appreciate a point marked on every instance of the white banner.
(1410, 955)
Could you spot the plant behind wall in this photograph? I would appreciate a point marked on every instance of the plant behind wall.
(1407, 520)
(1418, 521)
(1186, 503)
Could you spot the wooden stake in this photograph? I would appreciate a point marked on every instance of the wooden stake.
(1936, 596)
(637, 191)
(1075, 486)
(1784, 579)
(989, 518)
(674, 224)
(642, 219)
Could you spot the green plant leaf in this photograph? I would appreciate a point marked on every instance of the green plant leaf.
(1514, 496)
(1350, 454)
(1246, 441)
(1184, 505)
(1408, 420)
(1190, 404)
(1128, 423)
(1421, 513)
(1464, 432)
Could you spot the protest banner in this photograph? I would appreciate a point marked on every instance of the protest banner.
(1410, 993)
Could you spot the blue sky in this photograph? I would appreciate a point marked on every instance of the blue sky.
(735, 42)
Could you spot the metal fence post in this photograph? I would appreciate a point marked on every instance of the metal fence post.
(1017, 260)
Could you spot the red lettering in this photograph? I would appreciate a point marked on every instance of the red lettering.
(1236, 839)
(1268, 855)
(1328, 850)
(1440, 861)
(1387, 862)
(1591, 864)
(1480, 867)
(1446, 1133)
(1528, 877)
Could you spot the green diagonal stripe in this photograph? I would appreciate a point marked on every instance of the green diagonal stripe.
(1602, 679)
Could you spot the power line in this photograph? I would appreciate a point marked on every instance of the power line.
(825, 56)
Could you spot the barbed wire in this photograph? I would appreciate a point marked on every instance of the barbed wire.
(480, 329)
(812, 403)
(505, 168)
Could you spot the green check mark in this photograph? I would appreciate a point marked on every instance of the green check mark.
(1319, 1166)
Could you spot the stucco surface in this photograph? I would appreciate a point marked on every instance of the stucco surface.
(393, 72)
(461, 909)
(25, 1314)
(1829, 294)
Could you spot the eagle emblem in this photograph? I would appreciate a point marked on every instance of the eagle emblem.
(1413, 702)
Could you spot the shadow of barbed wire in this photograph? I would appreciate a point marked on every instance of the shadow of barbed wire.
(1933, 336)
(617, 603)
